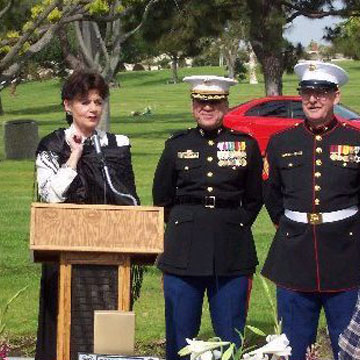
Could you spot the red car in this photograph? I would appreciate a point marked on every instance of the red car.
(265, 116)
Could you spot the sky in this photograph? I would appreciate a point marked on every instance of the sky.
(304, 30)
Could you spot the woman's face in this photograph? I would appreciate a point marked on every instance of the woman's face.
(86, 111)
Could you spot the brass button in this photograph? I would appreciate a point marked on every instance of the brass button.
(210, 158)
(317, 174)
(186, 168)
(318, 137)
(241, 224)
(350, 233)
(211, 142)
(209, 174)
(291, 164)
(318, 150)
(210, 189)
(344, 164)
(317, 201)
(317, 187)
(318, 162)
(176, 222)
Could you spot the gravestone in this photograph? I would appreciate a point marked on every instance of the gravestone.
(20, 139)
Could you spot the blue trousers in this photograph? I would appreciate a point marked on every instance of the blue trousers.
(300, 312)
(228, 300)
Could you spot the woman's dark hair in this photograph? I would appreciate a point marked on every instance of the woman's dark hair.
(80, 83)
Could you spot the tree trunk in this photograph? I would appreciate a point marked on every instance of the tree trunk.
(267, 21)
(230, 60)
(273, 70)
(89, 38)
(221, 58)
(174, 69)
(252, 66)
(105, 116)
(1, 107)
(70, 59)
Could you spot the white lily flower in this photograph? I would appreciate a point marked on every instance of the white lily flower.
(255, 357)
(278, 346)
(202, 350)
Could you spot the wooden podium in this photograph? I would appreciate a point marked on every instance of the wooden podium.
(93, 234)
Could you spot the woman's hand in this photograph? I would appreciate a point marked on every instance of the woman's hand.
(76, 146)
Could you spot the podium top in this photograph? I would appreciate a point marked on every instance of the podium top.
(95, 206)
(96, 228)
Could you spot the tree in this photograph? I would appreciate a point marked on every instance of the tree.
(100, 44)
(3, 11)
(181, 29)
(345, 37)
(98, 29)
(234, 34)
(267, 22)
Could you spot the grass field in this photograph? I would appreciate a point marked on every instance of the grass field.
(170, 105)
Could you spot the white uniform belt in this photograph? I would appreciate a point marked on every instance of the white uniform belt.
(319, 218)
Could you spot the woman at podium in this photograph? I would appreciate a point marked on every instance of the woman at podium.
(81, 164)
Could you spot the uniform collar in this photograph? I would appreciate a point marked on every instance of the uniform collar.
(323, 129)
(210, 134)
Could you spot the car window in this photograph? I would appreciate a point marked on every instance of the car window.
(345, 112)
(269, 109)
(296, 110)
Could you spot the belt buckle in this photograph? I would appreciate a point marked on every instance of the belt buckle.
(314, 218)
(209, 202)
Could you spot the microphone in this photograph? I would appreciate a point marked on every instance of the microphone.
(97, 146)
(98, 151)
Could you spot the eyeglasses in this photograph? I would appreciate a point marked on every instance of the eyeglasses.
(208, 102)
(319, 94)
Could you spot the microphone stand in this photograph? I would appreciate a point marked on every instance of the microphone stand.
(106, 173)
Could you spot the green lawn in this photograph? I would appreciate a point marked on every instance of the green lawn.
(171, 111)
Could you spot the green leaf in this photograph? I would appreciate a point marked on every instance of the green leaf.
(6, 308)
(255, 330)
(228, 353)
(55, 15)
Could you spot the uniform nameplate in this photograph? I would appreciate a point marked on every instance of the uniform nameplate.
(345, 153)
(188, 154)
(295, 153)
(232, 153)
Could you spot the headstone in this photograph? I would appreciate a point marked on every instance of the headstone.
(21, 139)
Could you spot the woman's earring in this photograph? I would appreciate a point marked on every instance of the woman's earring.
(68, 112)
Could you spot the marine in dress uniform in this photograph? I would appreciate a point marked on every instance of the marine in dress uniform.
(209, 181)
(311, 191)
